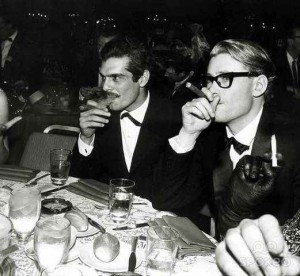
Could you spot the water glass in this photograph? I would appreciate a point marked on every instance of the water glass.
(24, 210)
(51, 242)
(120, 199)
(60, 161)
(162, 245)
(5, 231)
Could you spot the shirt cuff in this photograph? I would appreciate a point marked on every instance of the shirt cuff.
(85, 149)
(179, 146)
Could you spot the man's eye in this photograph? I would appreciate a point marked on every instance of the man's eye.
(116, 78)
(224, 78)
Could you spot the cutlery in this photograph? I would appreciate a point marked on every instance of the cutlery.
(48, 192)
(35, 182)
(7, 251)
(138, 225)
(132, 257)
(103, 243)
(100, 207)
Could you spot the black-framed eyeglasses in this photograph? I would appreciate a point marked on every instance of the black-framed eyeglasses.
(224, 80)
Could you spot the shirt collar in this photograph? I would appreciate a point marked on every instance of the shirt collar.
(139, 113)
(12, 37)
(247, 134)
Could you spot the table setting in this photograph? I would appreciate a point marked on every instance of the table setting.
(71, 226)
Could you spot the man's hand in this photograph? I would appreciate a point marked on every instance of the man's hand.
(256, 247)
(91, 119)
(252, 180)
(198, 114)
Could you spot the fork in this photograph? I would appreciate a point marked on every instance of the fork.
(35, 182)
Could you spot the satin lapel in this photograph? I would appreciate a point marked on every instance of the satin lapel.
(262, 141)
(147, 140)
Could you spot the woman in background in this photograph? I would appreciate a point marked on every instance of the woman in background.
(3, 120)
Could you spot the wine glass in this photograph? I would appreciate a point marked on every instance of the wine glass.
(51, 242)
(24, 211)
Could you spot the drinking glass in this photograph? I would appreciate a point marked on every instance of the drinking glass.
(24, 211)
(5, 232)
(60, 165)
(120, 199)
(162, 245)
(51, 242)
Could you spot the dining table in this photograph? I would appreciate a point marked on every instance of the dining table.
(81, 255)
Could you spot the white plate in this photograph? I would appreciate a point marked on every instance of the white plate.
(120, 264)
(85, 270)
(89, 232)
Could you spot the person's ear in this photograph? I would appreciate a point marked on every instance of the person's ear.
(143, 80)
(260, 85)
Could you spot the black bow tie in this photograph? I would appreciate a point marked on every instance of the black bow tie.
(126, 114)
(239, 147)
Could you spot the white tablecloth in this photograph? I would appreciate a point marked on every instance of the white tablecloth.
(191, 265)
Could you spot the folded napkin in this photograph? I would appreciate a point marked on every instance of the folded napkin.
(192, 240)
(91, 189)
(14, 173)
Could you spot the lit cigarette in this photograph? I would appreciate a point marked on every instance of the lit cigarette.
(196, 90)
(10, 123)
(274, 150)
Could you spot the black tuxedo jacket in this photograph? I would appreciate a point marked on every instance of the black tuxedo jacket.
(162, 121)
(185, 178)
(284, 77)
(24, 62)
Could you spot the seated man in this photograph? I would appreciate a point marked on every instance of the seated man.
(230, 122)
(256, 247)
(125, 138)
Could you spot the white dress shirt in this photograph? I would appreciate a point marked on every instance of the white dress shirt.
(245, 136)
(5, 47)
(129, 131)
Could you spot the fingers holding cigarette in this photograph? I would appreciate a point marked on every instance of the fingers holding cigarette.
(9, 124)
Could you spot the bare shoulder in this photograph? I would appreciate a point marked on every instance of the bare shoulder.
(3, 97)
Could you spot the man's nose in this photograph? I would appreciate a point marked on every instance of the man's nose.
(214, 88)
(105, 84)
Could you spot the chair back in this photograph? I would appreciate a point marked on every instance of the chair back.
(36, 154)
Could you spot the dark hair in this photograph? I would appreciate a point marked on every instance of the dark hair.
(248, 53)
(11, 18)
(139, 57)
(290, 32)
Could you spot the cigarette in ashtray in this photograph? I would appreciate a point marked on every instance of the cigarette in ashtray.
(103, 98)
(274, 150)
(196, 90)
(10, 123)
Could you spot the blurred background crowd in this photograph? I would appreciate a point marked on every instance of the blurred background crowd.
(56, 48)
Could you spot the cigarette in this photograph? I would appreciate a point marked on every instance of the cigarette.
(10, 123)
(274, 150)
(196, 90)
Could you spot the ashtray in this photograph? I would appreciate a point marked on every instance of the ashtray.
(55, 206)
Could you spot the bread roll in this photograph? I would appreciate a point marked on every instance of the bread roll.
(77, 219)
(105, 248)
